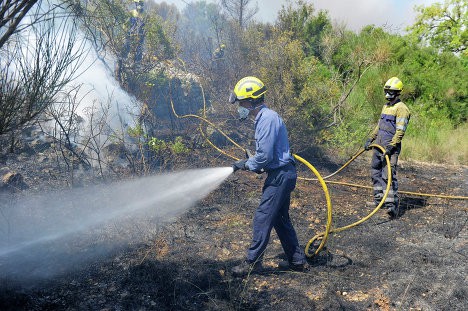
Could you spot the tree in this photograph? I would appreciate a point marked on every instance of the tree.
(443, 25)
(32, 75)
(11, 14)
(437, 82)
(168, 12)
(239, 10)
(305, 25)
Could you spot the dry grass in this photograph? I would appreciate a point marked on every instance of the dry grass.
(440, 146)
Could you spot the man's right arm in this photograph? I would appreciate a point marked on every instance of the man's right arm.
(375, 132)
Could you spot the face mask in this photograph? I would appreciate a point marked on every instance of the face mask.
(243, 112)
(389, 95)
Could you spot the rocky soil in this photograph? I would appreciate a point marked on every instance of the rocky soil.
(415, 262)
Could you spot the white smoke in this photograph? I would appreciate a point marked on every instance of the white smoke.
(94, 89)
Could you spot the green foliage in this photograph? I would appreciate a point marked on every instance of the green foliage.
(435, 140)
(318, 90)
(176, 147)
(136, 131)
(371, 47)
(333, 99)
(444, 26)
(360, 115)
(435, 88)
(304, 25)
(279, 60)
(157, 79)
(106, 20)
(439, 80)
(108, 23)
(158, 43)
(296, 85)
(156, 145)
(327, 81)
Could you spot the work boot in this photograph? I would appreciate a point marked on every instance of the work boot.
(246, 268)
(377, 199)
(392, 211)
(286, 265)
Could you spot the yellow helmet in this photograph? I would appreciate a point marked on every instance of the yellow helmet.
(248, 88)
(393, 84)
(222, 46)
(139, 4)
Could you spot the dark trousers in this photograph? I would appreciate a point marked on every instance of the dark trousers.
(379, 176)
(273, 212)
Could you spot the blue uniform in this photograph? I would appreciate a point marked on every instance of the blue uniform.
(389, 131)
(135, 36)
(272, 155)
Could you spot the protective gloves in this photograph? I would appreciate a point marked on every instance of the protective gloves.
(367, 144)
(389, 150)
(240, 165)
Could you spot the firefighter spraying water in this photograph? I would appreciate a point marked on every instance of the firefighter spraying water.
(272, 155)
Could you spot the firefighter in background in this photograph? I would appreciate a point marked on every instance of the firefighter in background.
(388, 133)
(136, 32)
(218, 59)
(273, 156)
(219, 52)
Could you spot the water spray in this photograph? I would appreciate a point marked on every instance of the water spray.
(43, 235)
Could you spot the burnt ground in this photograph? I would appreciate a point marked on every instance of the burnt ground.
(415, 262)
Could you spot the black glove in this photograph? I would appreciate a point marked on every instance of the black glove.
(240, 165)
(368, 143)
(389, 150)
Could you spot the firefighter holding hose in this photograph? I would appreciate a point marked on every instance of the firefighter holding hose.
(272, 155)
(388, 133)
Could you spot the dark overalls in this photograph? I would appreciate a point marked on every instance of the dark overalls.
(392, 125)
(273, 212)
(272, 155)
(379, 174)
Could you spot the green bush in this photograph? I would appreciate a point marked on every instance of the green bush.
(156, 145)
(176, 147)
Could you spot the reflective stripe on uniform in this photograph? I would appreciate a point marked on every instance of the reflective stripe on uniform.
(401, 123)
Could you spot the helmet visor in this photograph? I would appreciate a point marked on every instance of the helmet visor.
(391, 92)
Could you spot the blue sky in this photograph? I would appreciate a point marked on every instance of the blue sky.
(395, 15)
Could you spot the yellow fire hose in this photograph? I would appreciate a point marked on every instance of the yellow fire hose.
(323, 236)
(329, 209)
